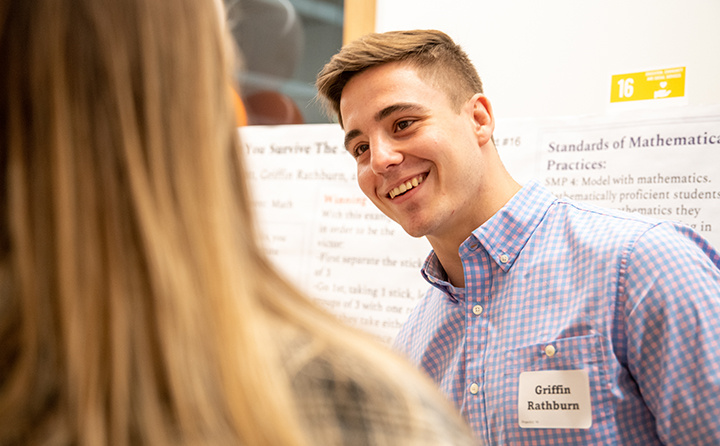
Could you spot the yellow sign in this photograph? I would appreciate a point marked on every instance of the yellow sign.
(657, 84)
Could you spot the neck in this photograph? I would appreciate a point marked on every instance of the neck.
(451, 263)
(446, 246)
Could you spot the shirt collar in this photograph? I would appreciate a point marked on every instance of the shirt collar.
(503, 236)
(434, 273)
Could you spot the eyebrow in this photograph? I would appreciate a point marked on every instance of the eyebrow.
(403, 106)
(352, 134)
(384, 113)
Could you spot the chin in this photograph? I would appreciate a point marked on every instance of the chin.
(414, 231)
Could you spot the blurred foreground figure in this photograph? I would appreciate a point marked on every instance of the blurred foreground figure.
(135, 304)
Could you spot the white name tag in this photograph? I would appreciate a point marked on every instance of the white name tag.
(554, 399)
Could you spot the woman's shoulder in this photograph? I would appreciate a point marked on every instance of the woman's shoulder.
(345, 399)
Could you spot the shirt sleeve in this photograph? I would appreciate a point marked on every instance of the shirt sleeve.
(670, 287)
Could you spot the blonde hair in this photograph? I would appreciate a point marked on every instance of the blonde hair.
(136, 306)
(433, 53)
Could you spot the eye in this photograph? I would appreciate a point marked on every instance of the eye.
(360, 149)
(402, 125)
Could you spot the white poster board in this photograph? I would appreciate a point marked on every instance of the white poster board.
(325, 234)
(663, 164)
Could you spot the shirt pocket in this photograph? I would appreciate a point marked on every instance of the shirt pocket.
(576, 353)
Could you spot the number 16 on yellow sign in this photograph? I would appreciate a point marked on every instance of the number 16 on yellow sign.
(643, 85)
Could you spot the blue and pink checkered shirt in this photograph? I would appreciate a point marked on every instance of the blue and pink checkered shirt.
(633, 301)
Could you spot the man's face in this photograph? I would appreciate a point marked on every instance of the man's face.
(418, 158)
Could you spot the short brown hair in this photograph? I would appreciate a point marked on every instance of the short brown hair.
(432, 52)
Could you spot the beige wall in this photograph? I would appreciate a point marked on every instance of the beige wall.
(359, 19)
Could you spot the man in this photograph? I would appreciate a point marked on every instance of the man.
(547, 321)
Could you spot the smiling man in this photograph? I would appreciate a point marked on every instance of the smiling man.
(432, 167)
(527, 291)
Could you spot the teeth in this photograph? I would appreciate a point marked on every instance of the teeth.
(405, 187)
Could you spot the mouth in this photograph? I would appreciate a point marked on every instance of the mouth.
(406, 186)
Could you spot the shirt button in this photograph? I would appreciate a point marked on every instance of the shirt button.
(473, 246)
(504, 258)
(550, 350)
(478, 309)
(474, 388)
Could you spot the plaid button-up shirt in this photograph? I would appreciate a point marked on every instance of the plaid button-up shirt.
(633, 301)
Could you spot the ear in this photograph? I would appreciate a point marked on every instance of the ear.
(483, 118)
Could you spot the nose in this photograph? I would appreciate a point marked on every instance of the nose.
(383, 155)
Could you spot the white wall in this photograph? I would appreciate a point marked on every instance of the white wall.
(555, 58)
